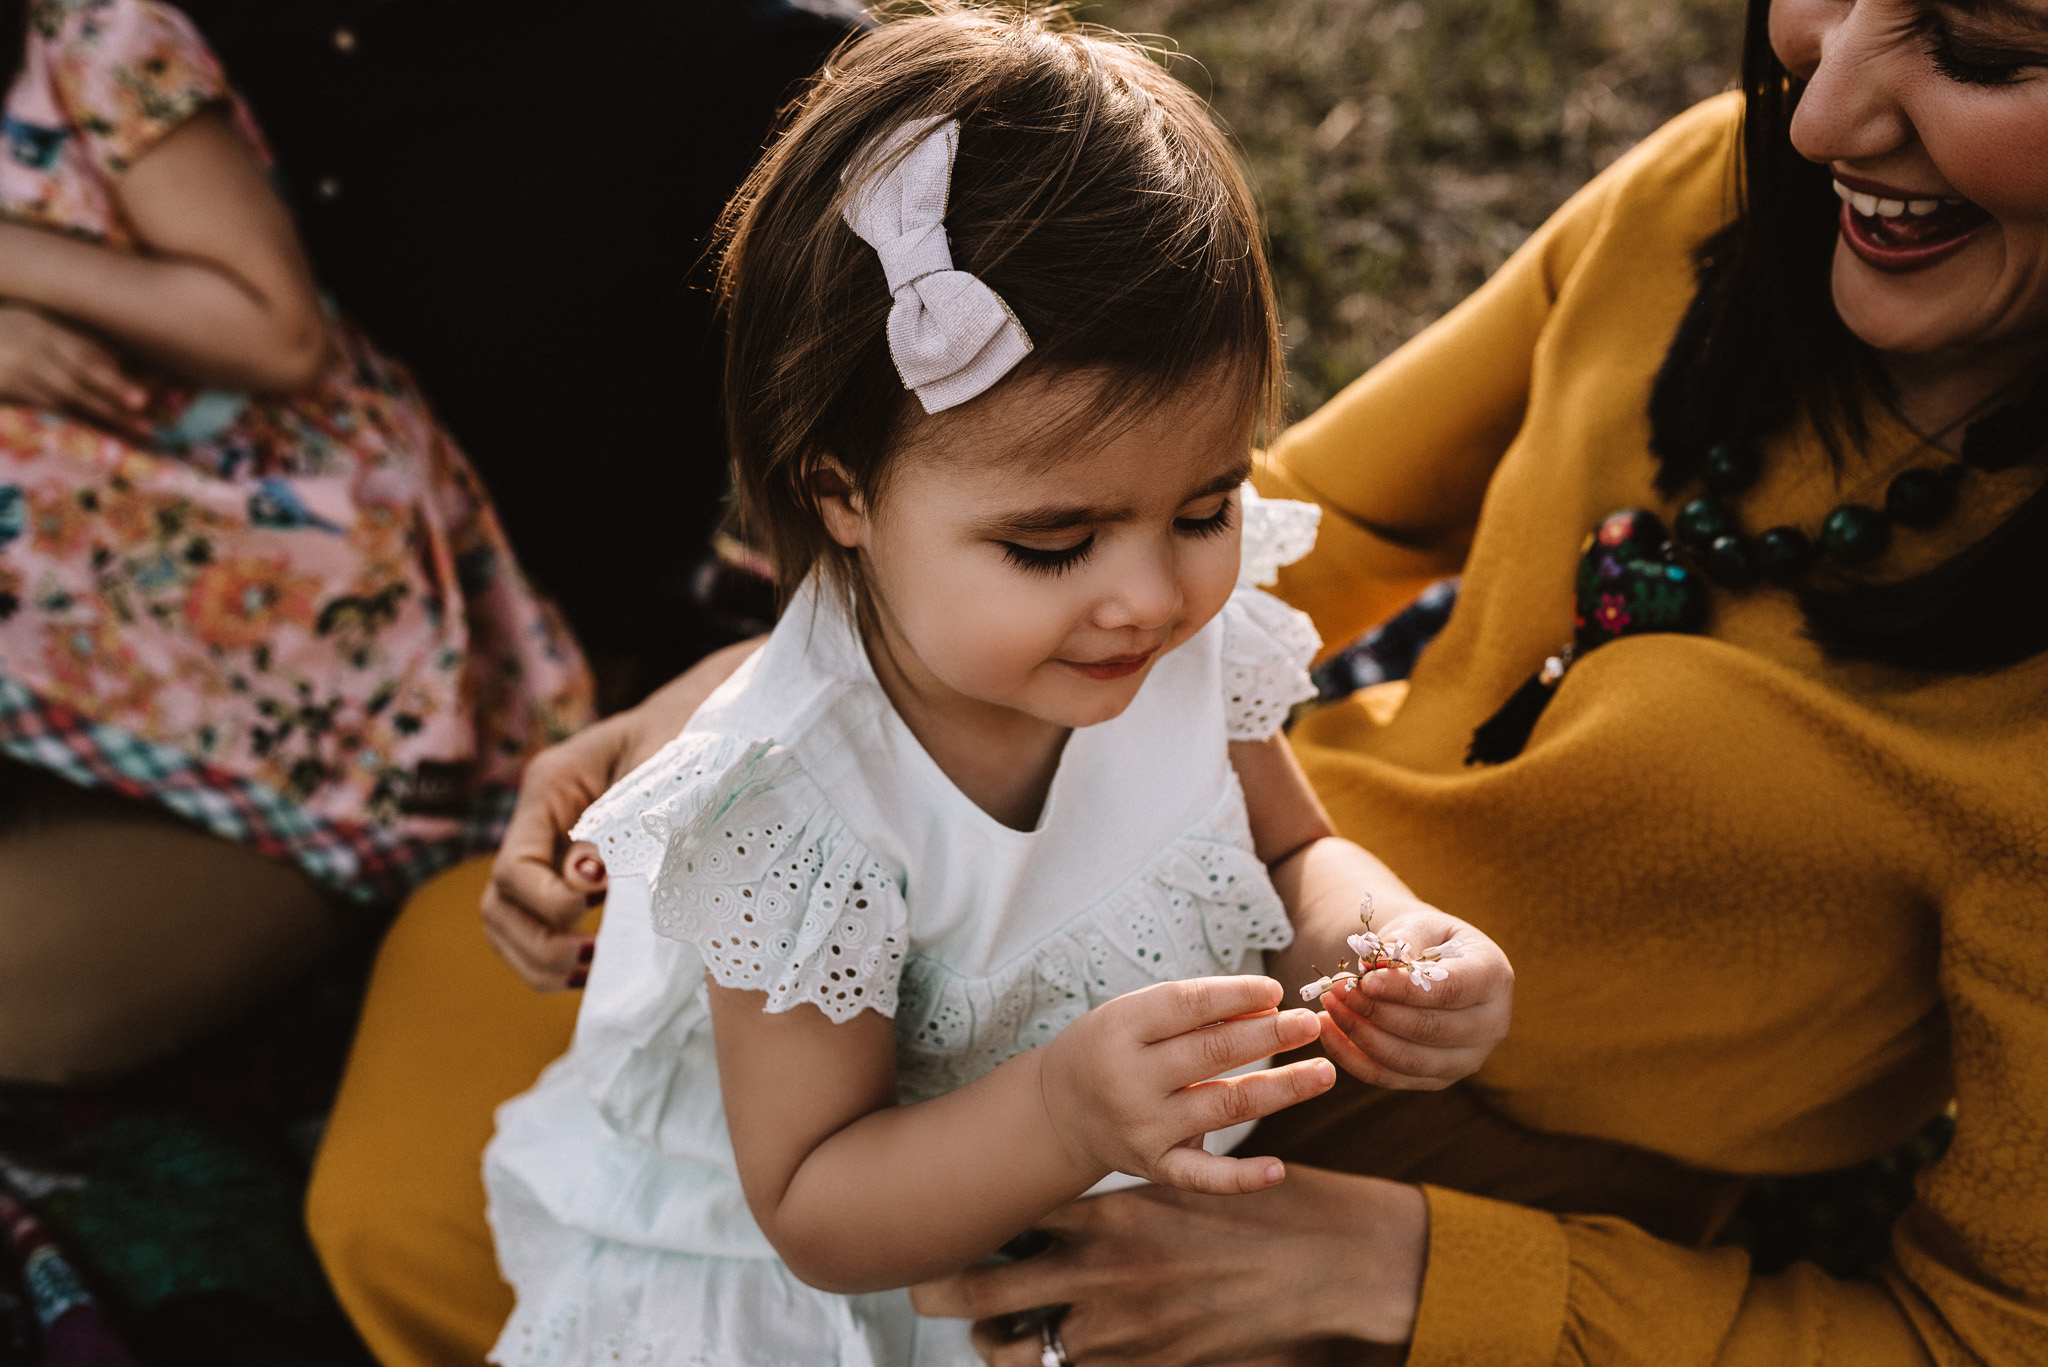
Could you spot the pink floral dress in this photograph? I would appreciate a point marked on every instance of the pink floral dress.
(294, 622)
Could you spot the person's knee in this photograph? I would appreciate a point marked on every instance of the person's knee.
(125, 933)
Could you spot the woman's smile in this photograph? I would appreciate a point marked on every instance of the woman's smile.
(1895, 229)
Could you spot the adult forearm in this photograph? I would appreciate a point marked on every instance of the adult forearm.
(193, 318)
(915, 1192)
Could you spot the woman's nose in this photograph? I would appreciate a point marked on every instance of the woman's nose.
(1848, 53)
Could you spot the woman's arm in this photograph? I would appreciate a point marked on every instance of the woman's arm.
(860, 1194)
(1400, 459)
(221, 293)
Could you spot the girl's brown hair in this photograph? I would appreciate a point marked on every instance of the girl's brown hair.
(1091, 190)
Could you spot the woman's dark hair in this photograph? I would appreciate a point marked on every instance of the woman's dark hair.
(1091, 191)
(1762, 346)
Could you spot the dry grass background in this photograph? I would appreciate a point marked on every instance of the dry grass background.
(1403, 149)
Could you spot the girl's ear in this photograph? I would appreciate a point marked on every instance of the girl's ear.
(840, 504)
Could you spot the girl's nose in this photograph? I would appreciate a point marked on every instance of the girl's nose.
(1849, 55)
(1146, 593)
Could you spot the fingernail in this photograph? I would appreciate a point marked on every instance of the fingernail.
(1326, 1072)
(583, 955)
(1275, 1171)
(578, 978)
(595, 899)
(589, 868)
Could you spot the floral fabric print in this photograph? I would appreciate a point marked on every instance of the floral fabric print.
(309, 600)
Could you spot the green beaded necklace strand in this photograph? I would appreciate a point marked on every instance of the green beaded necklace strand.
(1852, 534)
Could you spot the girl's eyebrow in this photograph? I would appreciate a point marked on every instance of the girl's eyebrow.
(1059, 517)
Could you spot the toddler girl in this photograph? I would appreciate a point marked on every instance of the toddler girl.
(899, 930)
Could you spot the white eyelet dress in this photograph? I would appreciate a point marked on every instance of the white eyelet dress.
(797, 840)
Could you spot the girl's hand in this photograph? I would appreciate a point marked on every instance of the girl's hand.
(45, 364)
(542, 886)
(1134, 1085)
(1387, 1030)
(1165, 1278)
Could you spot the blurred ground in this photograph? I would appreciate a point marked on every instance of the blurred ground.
(1403, 149)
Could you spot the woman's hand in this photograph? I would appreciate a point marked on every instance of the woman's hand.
(1134, 1085)
(1391, 1031)
(45, 364)
(542, 886)
(1163, 1278)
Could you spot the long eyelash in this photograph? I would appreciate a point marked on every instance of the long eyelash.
(1941, 51)
(1216, 524)
(1053, 563)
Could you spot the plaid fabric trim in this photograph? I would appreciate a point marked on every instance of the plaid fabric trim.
(363, 863)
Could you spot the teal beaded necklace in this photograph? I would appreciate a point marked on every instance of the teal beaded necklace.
(1851, 535)
(1631, 579)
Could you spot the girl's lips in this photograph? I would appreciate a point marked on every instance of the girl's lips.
(1123, 666)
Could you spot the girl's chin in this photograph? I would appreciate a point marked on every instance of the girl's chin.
(1913, 313)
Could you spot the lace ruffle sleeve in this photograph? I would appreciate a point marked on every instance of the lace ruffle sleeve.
(1267, 646)
(760, 876)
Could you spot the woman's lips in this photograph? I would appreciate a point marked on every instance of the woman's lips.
(1898, 232)
(1120, 667)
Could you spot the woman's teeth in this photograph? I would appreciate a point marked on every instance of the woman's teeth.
(1870, 206)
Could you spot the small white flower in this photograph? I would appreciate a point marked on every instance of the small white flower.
(1453, 948)
(1366, 946)
(1422, 974)
(1314, 991)
(1396, 950)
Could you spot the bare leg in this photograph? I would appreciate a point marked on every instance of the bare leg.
(126, 932)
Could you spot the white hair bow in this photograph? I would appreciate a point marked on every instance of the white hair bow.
(950, 334)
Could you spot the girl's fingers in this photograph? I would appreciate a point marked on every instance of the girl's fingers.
(1225, 1101)
(1361, 1065)
(1165, 1010)
(1419, 1066)
(1424, 1025)
(1217, 1049)
(1196, 1169)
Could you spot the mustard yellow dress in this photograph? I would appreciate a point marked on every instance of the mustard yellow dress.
(1768, 913)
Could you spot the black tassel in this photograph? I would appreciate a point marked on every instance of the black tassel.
(1501, 736)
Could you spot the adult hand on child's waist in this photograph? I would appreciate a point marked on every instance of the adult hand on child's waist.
(543, 886)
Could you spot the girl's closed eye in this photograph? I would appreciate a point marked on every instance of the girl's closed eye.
(1212, 524)
(1048, 560)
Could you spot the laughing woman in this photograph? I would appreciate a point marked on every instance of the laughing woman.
(263, 650)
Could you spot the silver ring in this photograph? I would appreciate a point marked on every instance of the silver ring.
(1053, 1353)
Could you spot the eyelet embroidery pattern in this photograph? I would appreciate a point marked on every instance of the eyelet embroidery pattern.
(1277, 531)
(1267, 648)
(1202, 907)
(764, 881)
(615, 822)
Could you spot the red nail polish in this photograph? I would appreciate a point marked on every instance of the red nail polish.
(583, 955)
(589, 868)
(578, 978)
